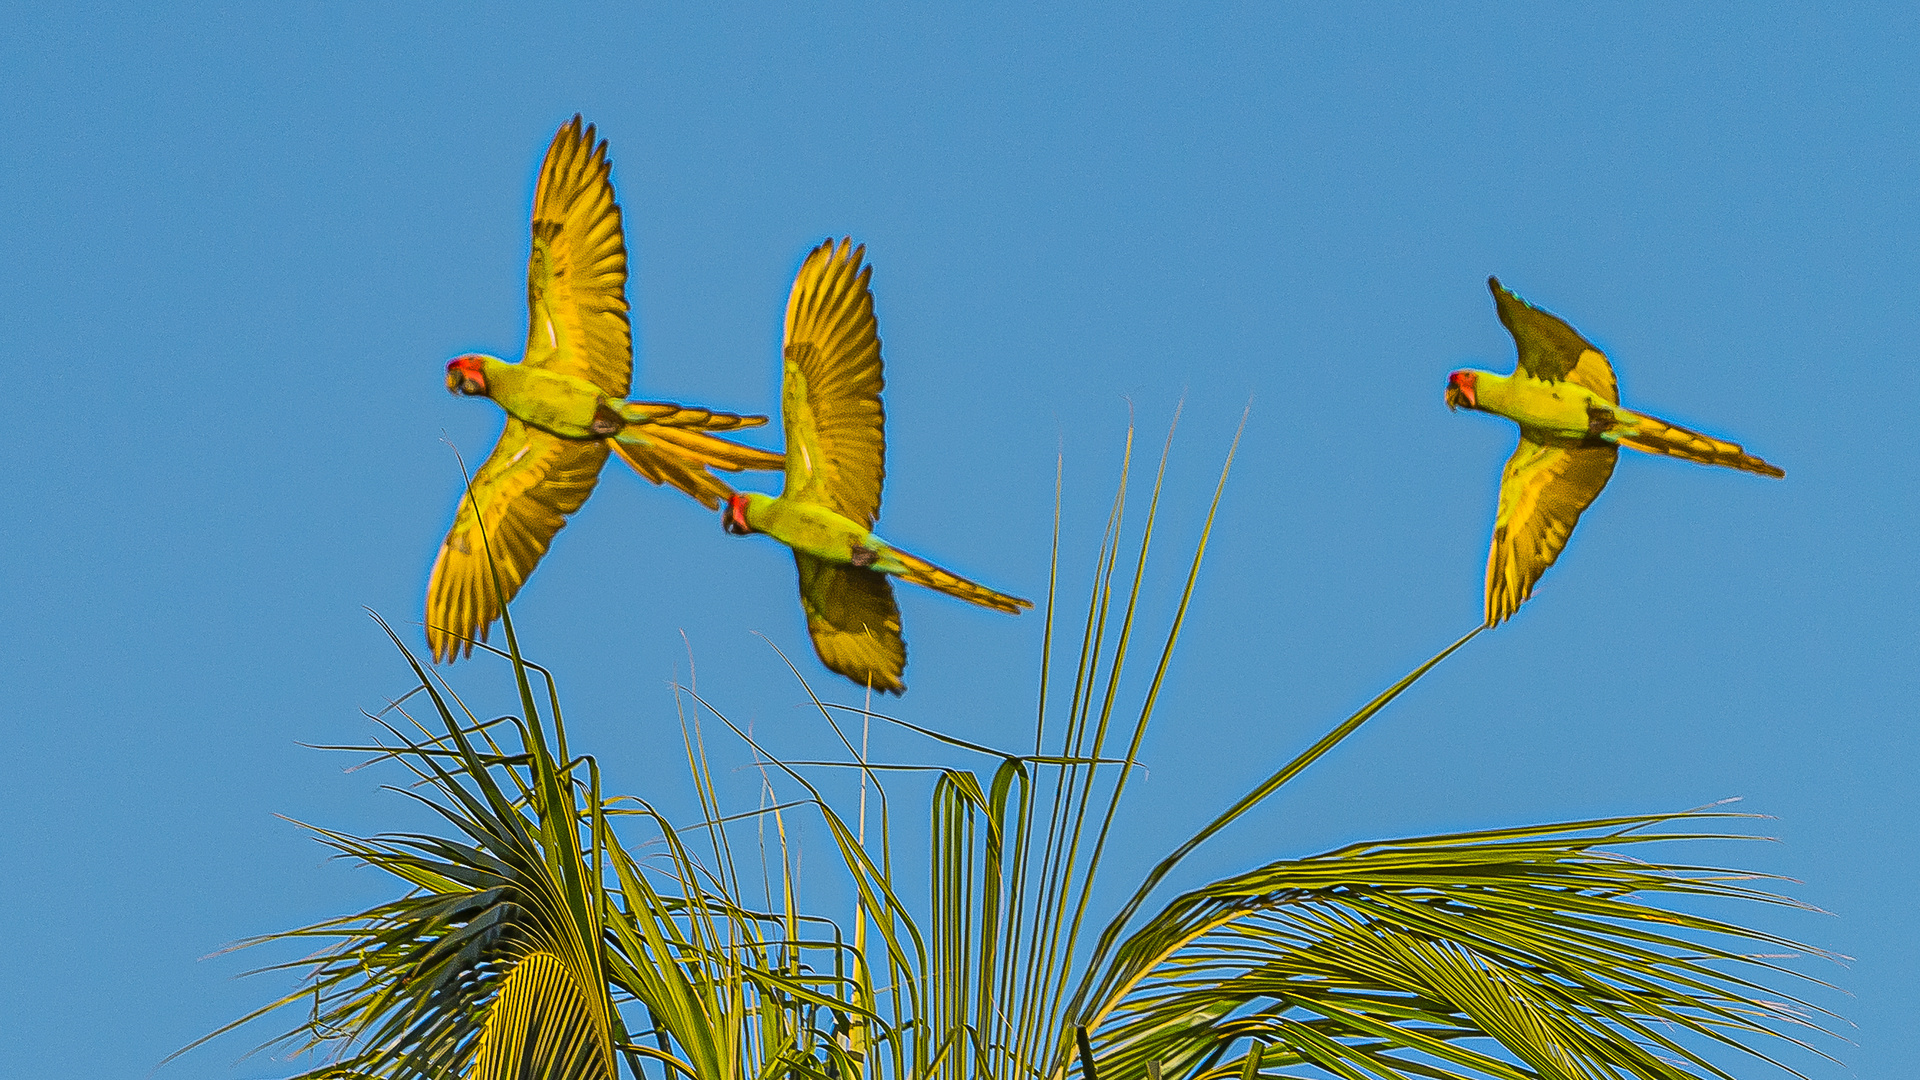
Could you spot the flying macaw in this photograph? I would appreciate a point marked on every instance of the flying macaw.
(564, 403)
(1571, 428)
(836, 460)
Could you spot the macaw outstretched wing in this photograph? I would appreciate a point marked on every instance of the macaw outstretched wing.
(1550, 349)
(1543, 491)
(520, 498)
(577, 271)
(830, 389)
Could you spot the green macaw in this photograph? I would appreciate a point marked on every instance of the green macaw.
(564, 403)
(836, 460)
(1563, 396)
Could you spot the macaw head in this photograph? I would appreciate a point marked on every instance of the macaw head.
(733, 517)
(1460, 391)
(467, 375)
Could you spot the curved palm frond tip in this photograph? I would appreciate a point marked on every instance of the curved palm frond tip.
(543, 1025)
(493, 963)
(565, 405)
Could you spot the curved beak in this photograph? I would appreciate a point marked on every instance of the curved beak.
(463, 375)
(734, 517)
(1460, 391)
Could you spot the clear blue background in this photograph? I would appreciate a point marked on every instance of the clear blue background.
(241, 240)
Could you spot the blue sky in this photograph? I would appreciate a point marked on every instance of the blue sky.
(242, 240)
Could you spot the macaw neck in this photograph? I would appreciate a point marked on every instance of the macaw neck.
(1492, 392)
(503, 377)
(758, 514)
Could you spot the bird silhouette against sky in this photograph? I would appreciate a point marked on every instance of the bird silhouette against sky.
(836, 461)
(1564, 397)
(565, 405)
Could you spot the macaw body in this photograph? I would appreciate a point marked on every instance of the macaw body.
(1552, 409)
(1565, 399)
(817, 531)
(835, 464)
(565, 404)
(806, 527)
(1557, 411)
(570, 407)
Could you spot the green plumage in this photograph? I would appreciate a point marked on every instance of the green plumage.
(1564, 397)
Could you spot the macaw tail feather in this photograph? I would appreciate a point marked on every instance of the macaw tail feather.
(717, 452)
(921, 572)
(667, 414)
(682, 457)
(1656, 436)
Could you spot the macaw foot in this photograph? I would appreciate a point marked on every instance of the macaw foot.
(1599, 422)
(606, 421)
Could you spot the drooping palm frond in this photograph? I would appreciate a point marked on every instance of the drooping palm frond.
(1394, 959)
(411, 987)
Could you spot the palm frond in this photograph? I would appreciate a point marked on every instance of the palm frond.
(407, 988)
(1393, 959)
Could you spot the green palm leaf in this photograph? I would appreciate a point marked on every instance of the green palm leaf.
(1390, 959)
(409, 987)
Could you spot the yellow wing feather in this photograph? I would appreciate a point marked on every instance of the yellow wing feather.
(577, 271)
(522, 497)
(1550, 349)
(854, 622)
(1543, 491)
(830, 398)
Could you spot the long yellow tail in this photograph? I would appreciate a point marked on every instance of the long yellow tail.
(667, 414)
(921, 572)
(682, 456)
(1656, 436)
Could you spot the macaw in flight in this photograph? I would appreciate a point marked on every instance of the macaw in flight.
(565, 405)
(1564, 398)
(836, 460)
